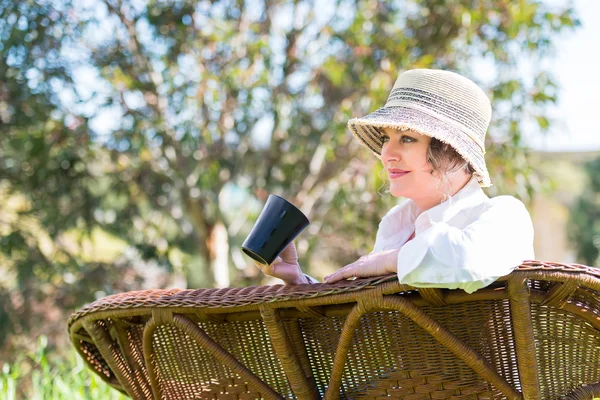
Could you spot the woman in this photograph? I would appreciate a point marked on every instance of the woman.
(430, 137)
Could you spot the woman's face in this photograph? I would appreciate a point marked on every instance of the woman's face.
(407, 151)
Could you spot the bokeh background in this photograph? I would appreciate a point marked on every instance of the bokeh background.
(139, 141)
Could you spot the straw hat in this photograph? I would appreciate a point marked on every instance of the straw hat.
(440, 104)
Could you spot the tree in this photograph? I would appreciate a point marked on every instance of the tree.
(201, 98)
(583, 230)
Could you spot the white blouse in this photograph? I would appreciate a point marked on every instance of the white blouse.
(466, 242)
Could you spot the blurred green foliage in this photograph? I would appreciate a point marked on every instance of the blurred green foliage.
(138, 140)
(584, 222)
(36, 376)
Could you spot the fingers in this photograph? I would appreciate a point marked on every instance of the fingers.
(266, 269)
(344, 273)
(353, 270)
(289, 254)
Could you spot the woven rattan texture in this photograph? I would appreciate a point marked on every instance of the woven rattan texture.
(254, 295)
(222, 298)
(185, 370)
(227, 388)
(95, 361)
(571, 346)
(390, 352)
(275, 342)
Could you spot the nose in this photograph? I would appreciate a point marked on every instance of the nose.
(388, 155)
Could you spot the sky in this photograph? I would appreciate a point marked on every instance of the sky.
(576, 67)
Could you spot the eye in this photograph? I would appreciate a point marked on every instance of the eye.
(403, 139)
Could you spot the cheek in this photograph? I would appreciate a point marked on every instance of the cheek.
(422, 169)
(419, 160)
(424, 156)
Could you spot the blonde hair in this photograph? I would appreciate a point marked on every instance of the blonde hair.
(444, 159)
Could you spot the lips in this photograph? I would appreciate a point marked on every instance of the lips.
(396, 173)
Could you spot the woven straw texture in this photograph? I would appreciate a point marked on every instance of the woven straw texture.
(436, 103)
(534, 334)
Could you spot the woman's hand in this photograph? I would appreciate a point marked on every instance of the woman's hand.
(285, 267)
(374, 264)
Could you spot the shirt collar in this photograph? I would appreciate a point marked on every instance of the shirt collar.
(470, 195)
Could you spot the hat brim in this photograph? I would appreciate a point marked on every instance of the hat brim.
(366, 129)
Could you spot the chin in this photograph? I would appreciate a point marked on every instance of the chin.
(399, 192)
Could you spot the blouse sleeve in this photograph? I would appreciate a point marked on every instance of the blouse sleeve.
(469, 258)
(311, 279)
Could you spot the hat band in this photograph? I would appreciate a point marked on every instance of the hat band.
(448, 86)
(452, 110)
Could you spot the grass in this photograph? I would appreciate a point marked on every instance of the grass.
(38, 376)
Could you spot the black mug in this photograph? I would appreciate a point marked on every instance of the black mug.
(278, 224)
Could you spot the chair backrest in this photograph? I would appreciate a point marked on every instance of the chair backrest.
(534, 334)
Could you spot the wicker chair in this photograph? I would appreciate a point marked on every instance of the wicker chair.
(534, 334)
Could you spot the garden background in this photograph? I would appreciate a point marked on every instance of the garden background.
(139, 141)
